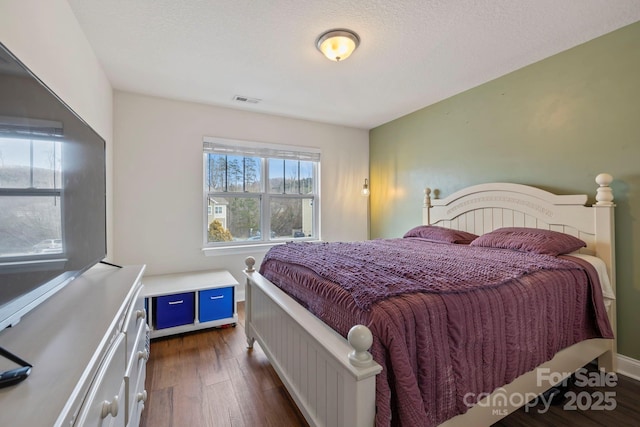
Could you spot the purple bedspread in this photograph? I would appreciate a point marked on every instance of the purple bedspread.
(448, 320)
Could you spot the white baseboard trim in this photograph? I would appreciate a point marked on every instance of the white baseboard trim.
(629, 367)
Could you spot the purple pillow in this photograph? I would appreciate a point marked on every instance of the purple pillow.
(441, 234)
(534, 240)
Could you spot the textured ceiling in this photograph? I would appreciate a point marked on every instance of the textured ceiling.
(413, 53)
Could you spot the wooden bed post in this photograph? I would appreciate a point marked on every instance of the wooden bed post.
(605, 250)
(427, 206)
(361, 339)
(249, 262)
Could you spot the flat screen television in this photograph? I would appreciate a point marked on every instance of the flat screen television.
(52, 192)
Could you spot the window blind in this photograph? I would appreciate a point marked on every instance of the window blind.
(247, 149)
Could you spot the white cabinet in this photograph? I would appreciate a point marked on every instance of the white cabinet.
(104, 405)
(89, 346)
(184, 302)
(137, 355)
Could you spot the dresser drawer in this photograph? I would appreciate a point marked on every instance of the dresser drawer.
(105, 402)
(136, 370)
(174, 310)
(215, 304)
(135, 317)
(136, 411)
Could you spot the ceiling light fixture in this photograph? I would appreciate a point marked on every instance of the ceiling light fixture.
(338, 44)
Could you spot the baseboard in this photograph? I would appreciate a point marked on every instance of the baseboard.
(629, 367)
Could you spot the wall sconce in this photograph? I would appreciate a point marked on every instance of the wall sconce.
(365, 188)
(338, 44)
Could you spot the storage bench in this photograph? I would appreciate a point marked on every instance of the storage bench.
(184, 302)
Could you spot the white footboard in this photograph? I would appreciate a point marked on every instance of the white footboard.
(332, 380)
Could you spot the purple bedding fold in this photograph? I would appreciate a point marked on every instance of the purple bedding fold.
(449, 321)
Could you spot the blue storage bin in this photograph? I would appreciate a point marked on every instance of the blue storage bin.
(215, 304)
(174, 310)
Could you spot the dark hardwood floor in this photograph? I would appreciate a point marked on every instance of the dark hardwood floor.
(209, 379)
(586, 404)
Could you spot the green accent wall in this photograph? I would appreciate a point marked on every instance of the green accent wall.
(555, 124)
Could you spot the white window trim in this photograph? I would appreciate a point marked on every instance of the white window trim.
(248, 249)
(262, 149)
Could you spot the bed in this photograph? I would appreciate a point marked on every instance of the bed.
(333, 379)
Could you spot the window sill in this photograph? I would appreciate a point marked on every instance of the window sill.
(245, 249)
(235, 250)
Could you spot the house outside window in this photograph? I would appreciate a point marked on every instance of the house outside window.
(259, 193)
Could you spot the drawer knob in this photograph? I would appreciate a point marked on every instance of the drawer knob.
(176, 302)
(110, 408)
(143, 355)
(141, 314)
(142, 397)
(217, 297)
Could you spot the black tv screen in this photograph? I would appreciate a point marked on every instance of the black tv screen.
(52, 192)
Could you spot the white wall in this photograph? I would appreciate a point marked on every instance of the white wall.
(158, 207)
(46, 37)
(154, 210)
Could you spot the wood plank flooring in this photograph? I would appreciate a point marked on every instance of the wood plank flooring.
(209, 379)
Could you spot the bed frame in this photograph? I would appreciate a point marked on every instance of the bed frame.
(332, 379)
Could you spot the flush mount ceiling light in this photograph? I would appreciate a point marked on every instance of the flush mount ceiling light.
(338, 44)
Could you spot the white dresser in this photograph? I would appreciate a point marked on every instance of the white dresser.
(89, 345)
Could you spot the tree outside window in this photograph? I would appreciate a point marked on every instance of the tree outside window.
(259, 194)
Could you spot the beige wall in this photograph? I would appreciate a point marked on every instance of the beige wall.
(158, 183)
(555, 124)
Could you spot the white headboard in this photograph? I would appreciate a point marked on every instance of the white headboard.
(482, 208)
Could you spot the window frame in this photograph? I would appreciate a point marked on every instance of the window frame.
(264, 151)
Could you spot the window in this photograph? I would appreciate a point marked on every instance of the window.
(30, 197)
(259, 192)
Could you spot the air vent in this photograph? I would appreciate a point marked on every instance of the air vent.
(246, 99)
